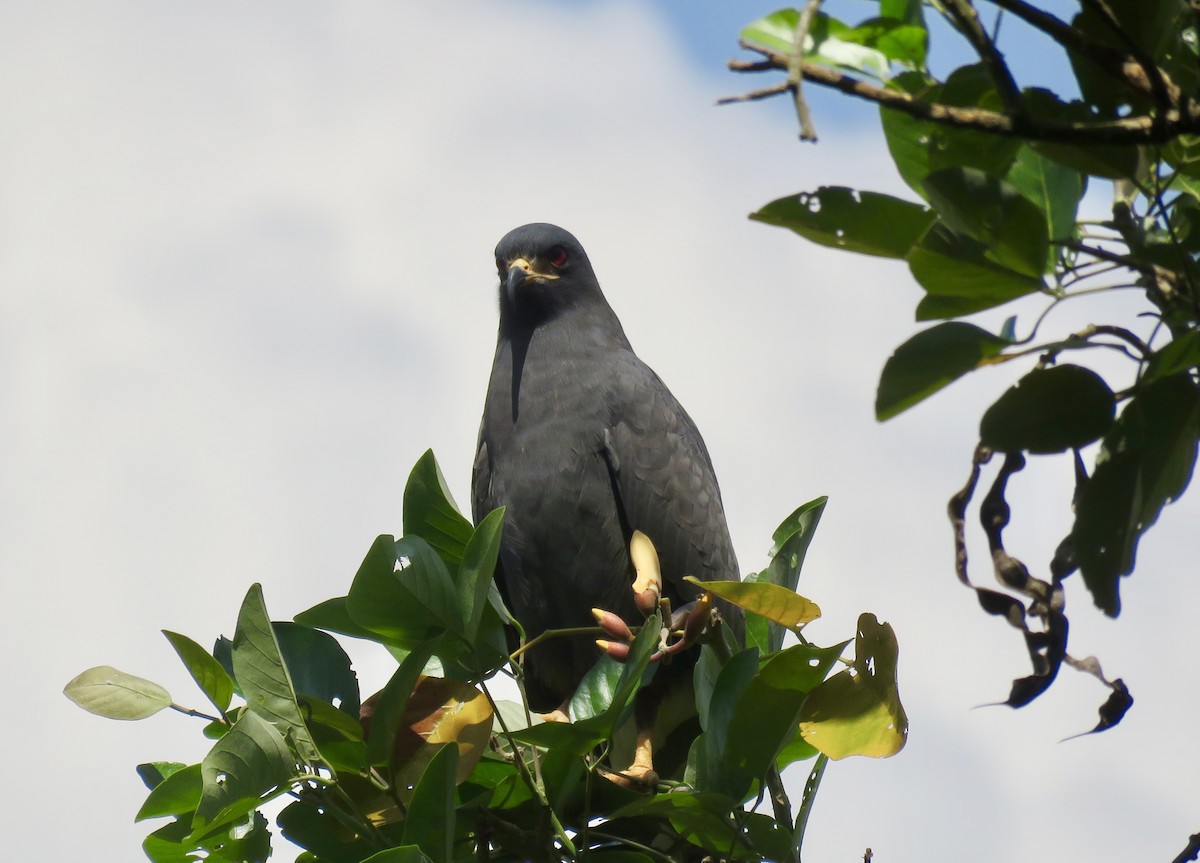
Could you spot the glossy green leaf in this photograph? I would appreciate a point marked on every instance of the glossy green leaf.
(758, 629)
(1053, 188)
(992, 211)
(266, 684)
(713, 770)
(864, 222)
(765, 715)
(919, 147)
(245, 768)
(175, 795)
(1049, 410)
(430, 822)
(1180, 355)
(317, 665)
(908, 11)
(959, 278)
(771, 601)
(477, 568)
(899, 42)
(824, 43)
(154, 773)
(790, 542)
(1145, 462)
(388, 711)
(332, 615)
(431, 513)
(702, 818)
(858, 711)
(931, 360)
(209, 675)
(595, 692)
(113, 694)
(406, 606)
(401, 854)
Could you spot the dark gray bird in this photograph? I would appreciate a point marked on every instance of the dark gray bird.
(583, 444)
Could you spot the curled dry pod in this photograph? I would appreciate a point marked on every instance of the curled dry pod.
(615, 649)
(612, 624)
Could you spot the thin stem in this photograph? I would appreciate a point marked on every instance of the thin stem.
(556, 633)
(808, 131)
(637, 846)
(187, 711)
(810, 794)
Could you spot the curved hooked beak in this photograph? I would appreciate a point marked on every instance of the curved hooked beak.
(519, 272)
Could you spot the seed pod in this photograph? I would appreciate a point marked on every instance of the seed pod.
(612, 624)
(698, 619)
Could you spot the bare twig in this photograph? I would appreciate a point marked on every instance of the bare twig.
(967, 19)
(1191, 851)
(808, 132)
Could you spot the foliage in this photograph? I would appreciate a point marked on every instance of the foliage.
(436, 767)
(998, 173)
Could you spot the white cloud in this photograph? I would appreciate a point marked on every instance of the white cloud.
(246, 258)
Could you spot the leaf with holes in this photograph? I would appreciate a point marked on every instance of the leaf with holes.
(866, 222)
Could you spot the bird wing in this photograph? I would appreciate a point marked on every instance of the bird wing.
(664, 481)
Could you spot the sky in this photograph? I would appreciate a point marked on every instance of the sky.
(246, 280)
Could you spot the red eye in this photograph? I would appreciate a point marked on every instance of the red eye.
(558, 256)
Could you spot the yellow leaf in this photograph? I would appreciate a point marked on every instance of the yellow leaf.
(772, 601)
(858, 711)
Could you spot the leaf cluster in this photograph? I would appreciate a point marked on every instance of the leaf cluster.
(997, 174)
(437, 767)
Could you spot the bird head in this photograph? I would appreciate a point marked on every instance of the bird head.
(543, 269)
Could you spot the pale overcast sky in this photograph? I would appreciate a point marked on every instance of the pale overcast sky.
(246, 279)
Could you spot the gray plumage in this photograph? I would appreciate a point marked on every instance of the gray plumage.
(583, 443)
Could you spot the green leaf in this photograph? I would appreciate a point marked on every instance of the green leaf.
(931, 360)
(714, 772)
(302, 823)
(702, 818)
(247, 767)
(1111, 161)
(430, 822)
(177, 794)
(388, 711)
(758, 629)
(212, 679)
(864, 222)
(959, 277)
(919, 147)
(790, 543)
(908, 11)
(332, 615)
(858, 711)
(765, 717)
(401, 854)
(992, 211)
(825, 42)
(317, 665)
(154, 773)
(477, 568)
(899, 42)
(266, 684)
(430, 511)
(1179, 355)
(771, 601)
(1049, 410)
(595, 692)
(1053, 188)
(107, 692)
(1145, 462)
(390, 602)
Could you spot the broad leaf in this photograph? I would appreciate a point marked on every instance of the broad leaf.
(1145, 462)
(790, 543)
(858, 711)
(864, 222)
(317, 665)
(209, 675)
(931, 360)
(959, 278)
(1049, 410)
(430, 822)
(407, 606)
(1180, 355)
(178, 794)
(332, 615)
(245, 768)
(771, 601)
(384, 713)
(107, 692)
(976, 204)
(430, 511)
(477, 568)
(1053, 188)
(259, 668)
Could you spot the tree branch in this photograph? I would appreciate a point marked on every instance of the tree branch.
(967, 19)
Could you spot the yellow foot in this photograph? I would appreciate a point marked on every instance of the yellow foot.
(635, 777)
